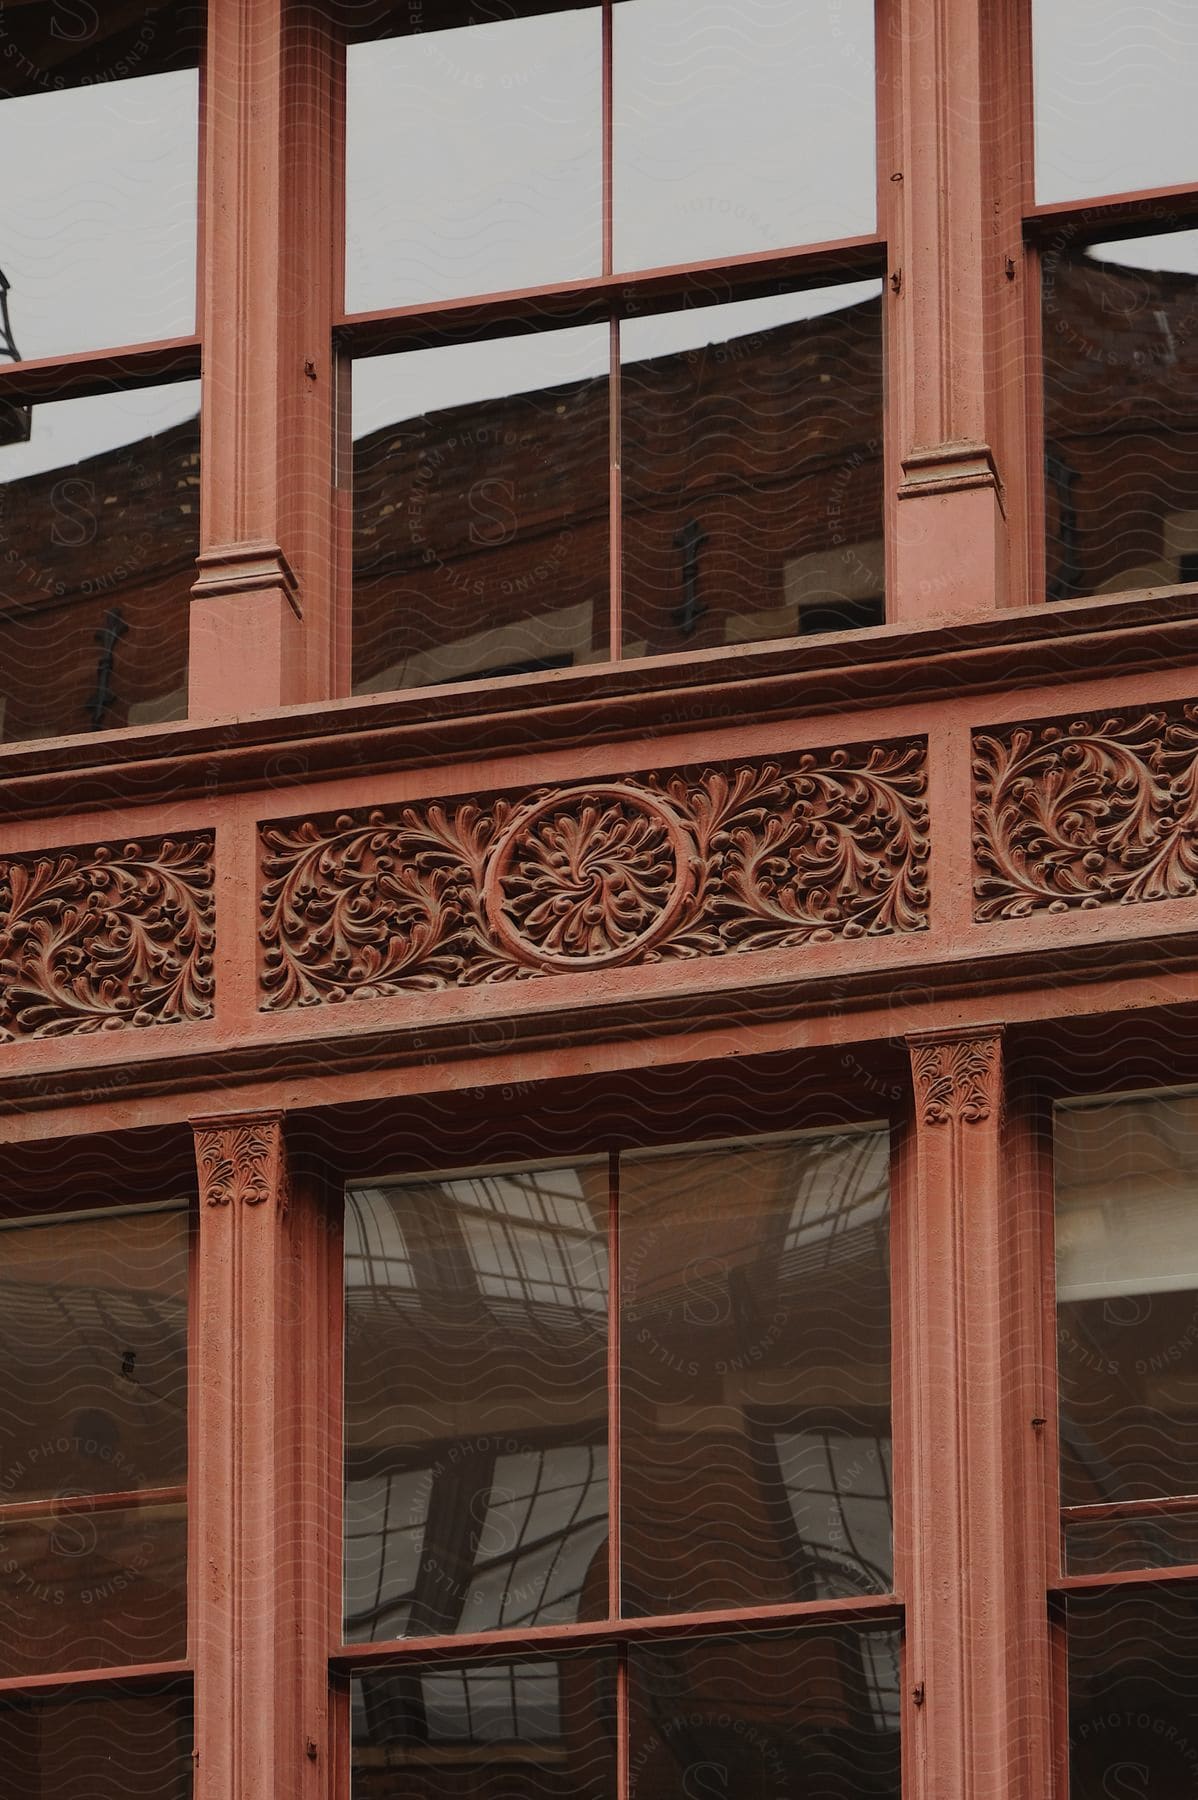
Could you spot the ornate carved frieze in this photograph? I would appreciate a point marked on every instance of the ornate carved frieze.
(99, 938)
(1086, 813)
(956, 1078)
(684, 863)
(240, 1159)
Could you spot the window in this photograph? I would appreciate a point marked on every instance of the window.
(93, 1501)
(99, 405)
(534, 1444)
(701, 465)
(1127, 1357)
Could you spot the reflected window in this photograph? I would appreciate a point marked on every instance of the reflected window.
(93, 1440)
(538, 1726)
(1127, 1330)
(99, 531)
(1120, 325)
(756, 1374)
(99, 139)
(476, 1400)
(1114, 84)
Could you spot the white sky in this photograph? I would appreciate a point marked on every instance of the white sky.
(474, 165)
(1115, 96)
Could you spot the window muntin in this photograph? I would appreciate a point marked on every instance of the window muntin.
(1120, 332)
(99, 130)
(93, 1440)
(1127, 1330)
(737, 130)
(1114, 84)
(99, 521)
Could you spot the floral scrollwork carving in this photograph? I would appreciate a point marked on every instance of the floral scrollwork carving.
(956, 1078)
(240, 1160)
(684, 863)
(1093, 812)
(106, 937)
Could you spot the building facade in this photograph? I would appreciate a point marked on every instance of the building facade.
(599, 779)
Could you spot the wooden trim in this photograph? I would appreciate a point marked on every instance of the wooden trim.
(121, 1676)
(864, 1610)
(101, 371)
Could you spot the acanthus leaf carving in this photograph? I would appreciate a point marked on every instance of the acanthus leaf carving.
(240, 1160)
(105, 937)
(956, 1078)
(684, 863)
(1088, 813)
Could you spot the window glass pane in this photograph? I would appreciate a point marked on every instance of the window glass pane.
(765, 1718)
(99, 531)
(1121, 414)
(93, 1337)
(1127, 1305)
(99, 143)
(109, 1746)
(473, 153)
(738, 129)
(752, 458)
(480, 521)
(540, 1729)
(476, 1402)
(1145, 1541)
(1133, 1674)
(1115, 86)
(755, 1349)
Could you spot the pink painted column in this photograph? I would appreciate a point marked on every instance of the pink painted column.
(263, 1569)
(262, 631)
(952, 174)
(971, 1525)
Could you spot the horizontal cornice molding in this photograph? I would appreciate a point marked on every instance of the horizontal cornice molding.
(656, 697)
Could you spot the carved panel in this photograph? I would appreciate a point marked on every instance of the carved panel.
(685, 863)
(100, 938)
(240, 1160)
(956, 1078)
(1088, 813)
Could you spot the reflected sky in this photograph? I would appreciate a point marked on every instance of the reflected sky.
(66, 432)
(98, 213)
(389, 389)
(1114, 96)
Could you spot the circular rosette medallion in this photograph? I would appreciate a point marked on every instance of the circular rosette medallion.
(586, 877)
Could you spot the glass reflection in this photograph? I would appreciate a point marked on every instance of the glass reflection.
(480, 523)
(476, 1400)
(502, 119)
(1127, 1314)
(752, 458)
(99, 531)
(99, 141)
(1146, 1541)
(738, 129)
(755, 1345)
(93, 1335)
(541, 1728)
(1121, 414)
(109, 1746)
(1114, 96)
(766, 1717)
(1133, 1672)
